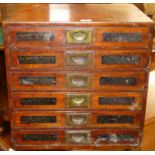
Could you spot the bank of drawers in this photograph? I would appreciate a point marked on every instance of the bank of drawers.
(77, 85)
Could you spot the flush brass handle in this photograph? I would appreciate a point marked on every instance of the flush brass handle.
(78, 137)
(79, 35)
(79, 60)
(78, 82)
(78, 101)
(77, 119)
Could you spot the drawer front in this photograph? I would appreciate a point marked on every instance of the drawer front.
(122, 37)
(46, 119)
(79, 59)
(77, 101)
(77, 137)
(35, 36)
(101, 36)
(78, 81)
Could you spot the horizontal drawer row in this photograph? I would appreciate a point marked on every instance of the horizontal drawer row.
(89, 81)
(110, 59)
(47, 36)
(77, 101)
(77, 137)
(70, 119)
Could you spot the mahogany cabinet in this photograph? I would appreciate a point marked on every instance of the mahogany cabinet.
(77, 75)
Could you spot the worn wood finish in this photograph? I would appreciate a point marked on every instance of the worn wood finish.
(61, 139)
(60, 36)
(62, 101)
(92, 59)
(119, 30)
(66, 81)
(69, 119)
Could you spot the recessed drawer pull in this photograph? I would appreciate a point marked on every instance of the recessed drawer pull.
(77, 119)
(78, 101)
(79, 35)
(78, 82)
(78, 136)
(79, 60)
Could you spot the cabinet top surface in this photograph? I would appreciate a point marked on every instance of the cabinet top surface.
(74, 13)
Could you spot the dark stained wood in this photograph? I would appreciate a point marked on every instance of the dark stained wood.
(130, 33)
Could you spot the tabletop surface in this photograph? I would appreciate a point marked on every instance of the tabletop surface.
(70, 13)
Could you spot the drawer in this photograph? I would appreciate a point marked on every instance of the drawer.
(77, 137)
(79, 59)
(76, 100)
(47, 36)
(35, 36)
(66, 81)
(48, 119)
(122, 37)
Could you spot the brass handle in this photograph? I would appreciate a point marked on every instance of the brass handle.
(78, 136)
(78, 101)
(79, 82)
(79, 35)
(77, 119)
(79, 60)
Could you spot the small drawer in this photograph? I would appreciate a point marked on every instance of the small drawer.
(73, 137)
(68, 81)
(77, 100)
(27, 36)
(48, 119)
(78, 59)
(79, 36)
(122, 37)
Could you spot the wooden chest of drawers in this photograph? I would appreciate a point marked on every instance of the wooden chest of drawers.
(77, 75)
